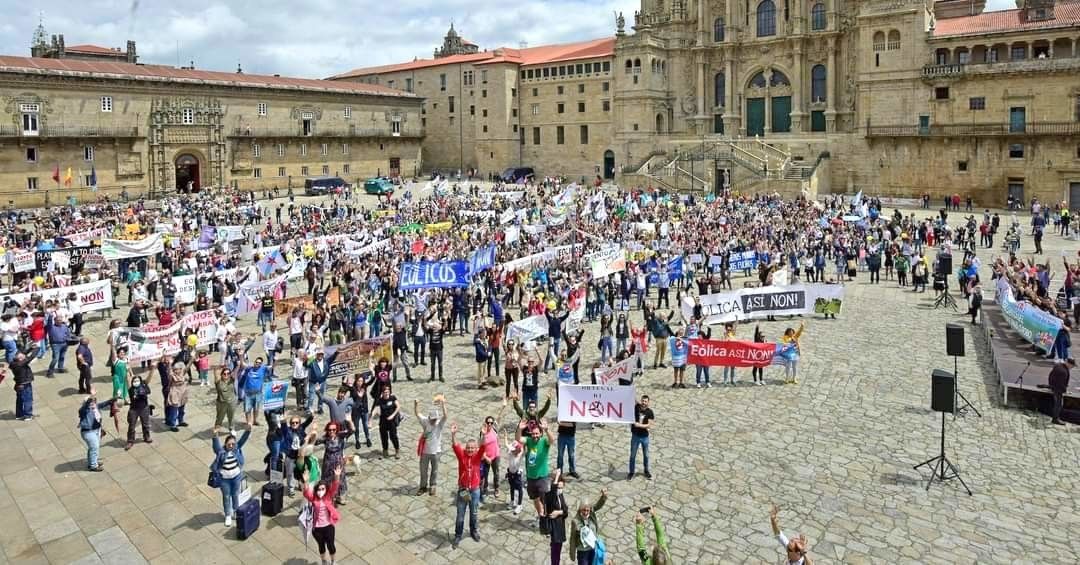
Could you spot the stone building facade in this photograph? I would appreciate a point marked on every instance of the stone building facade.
(151, 130)
(895, 97)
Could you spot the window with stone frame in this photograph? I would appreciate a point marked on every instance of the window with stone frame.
(766, 18)
(818, 18)
(718, 30)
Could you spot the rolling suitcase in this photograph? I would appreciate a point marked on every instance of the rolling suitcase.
(273, 496)
(247, 519)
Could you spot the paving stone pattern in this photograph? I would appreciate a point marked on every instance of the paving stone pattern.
(834, 452)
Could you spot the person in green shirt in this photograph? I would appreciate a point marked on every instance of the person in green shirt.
(120, 374)
(659, 554)
(537, 448)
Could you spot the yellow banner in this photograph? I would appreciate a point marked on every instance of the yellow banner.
(383, 213)
(438, 228)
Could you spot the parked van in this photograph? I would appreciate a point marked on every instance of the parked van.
(514, 174)
(316, 186)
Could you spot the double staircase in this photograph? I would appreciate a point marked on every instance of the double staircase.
(750, 163)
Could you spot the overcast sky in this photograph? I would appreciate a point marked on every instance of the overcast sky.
(313, 38)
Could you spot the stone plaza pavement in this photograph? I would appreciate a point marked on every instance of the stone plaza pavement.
(835, 453)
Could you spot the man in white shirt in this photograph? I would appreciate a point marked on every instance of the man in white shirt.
(270, 341)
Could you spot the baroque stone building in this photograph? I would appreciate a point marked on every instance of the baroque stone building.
(895, 97)
(154, 129)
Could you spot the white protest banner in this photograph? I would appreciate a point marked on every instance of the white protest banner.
(528, 329)
(370, 248)
(612, 260)
(205, 325)
(185, 289)
(513, 233)
(509, 195)
(112, 249)
(575, 302)
(149, 342)
(247, 297)
(780, 277)
(22, 261)
(621, 371)
(477, 213)
(527, 262)
(598, 404)
(230, 233)
(752, 303)
(296, 270)
(86, 237)
(93, 296)
(507, 216)
(223, 274)
(533, 229)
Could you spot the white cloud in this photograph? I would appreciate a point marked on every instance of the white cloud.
(314, 38)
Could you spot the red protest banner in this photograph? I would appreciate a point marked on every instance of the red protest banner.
(730, 353)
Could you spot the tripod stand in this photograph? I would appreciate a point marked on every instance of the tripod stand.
(946, 299)
(961, 411)
(941, 469)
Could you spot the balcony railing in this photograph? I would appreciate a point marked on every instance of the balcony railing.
(343, 133)
(962, 130)
(938, 71)
(70, 132)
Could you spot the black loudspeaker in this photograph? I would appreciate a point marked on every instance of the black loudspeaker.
(944, 264)
(942, 391)
(954, 340)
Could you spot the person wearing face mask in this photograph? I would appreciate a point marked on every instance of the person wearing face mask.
(557, 510)
(90, 428)
(585, 540)
(228, 466)
(469, 459)
(138, 410)
(324, 516)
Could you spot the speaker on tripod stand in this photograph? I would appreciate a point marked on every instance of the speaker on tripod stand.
(954, 346)
(942, 270)
(942, 399)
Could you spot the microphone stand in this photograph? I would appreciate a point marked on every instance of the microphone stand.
(1020, 380)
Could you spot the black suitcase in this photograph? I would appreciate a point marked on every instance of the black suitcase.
(247, 519)
(273, 497)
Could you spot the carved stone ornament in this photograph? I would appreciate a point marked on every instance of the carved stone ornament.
(689, 105)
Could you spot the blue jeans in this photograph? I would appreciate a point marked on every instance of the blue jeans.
(10, 349)
(360, 420)
(472, 504)
(643, 443)
(605, 348)
(463, 320)
(24, 401)
(553, 353)
(729, 373)
(620, 343)
(59, 350)
(566, 443)
(265, 318)
(174, 415)
(169, 301)
(230, 494)
(93, 446)
(42, 347)
(701, 374)
(312, 388)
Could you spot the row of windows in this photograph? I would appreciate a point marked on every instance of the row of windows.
(560, 107)
(304, 171)
(560, 135)
(261, 109)
(567, 70)
(256, 149)
(880, 43)
(33, 156)
(766, 19)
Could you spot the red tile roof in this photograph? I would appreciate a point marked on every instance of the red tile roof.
(96, 49)
(164, 73)
(1066, 14)
(542, 54)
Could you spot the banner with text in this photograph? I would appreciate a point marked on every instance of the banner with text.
(353, 357)
(434, 274)
(752, 303)
(599, 404)
(1035, 325)
(93, 296)
(274, 394)
(112, 249)
(730, 353)
(621, 371)
(148, 343)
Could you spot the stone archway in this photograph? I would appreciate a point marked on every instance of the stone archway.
(609, 164)
(187, 173)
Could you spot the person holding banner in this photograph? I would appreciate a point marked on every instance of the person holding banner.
(729, 371)
(680, 351)
(791, 351)
(758, 373)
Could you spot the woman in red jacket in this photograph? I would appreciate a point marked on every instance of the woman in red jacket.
(324, 515)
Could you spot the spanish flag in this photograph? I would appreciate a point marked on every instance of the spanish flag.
(67, 177)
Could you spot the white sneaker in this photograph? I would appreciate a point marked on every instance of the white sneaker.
(761, 383)
(699, 385)
(228, 521)
(517, 510)
(708, 385)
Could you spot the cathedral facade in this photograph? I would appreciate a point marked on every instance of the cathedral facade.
(895, 97)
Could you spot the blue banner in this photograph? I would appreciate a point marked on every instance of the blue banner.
(744, 260)
(674, 270)
(274, 393)
(434, 274)
(482, 260)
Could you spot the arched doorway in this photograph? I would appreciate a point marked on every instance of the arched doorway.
(187, 173)
(609, 164)
(659, 123)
